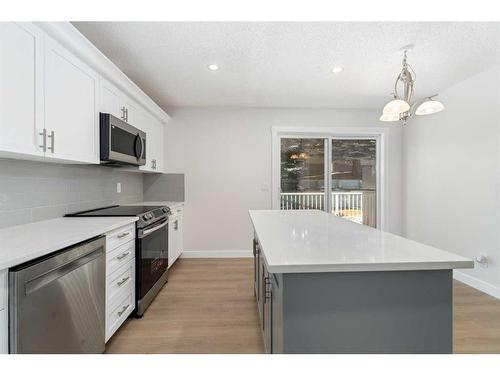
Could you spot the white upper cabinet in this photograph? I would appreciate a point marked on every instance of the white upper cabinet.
(71, 116)
(160, 167)
(21, 88)
(154, 144)
(110, 99)
(52, 90)
(131, 113)
(115, 102)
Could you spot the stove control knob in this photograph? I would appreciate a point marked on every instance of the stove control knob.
(145, 217)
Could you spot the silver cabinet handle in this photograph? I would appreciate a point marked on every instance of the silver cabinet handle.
(267, 292)
(123, 281)
(52, 141)
(176, 225)
(44, 140)
(123, 112)
(125, 234)
(120, 257)
(120, 313)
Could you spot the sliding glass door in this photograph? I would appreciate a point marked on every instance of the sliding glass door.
(302, 171)
(354, 180)
(333, 174)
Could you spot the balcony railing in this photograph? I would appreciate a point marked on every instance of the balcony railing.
(357, 206)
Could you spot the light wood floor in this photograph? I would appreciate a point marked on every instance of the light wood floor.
(208, 307)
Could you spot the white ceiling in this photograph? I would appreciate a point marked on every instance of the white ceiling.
(289, 64)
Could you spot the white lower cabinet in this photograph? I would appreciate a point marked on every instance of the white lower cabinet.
(175, 235)
(120, 277)
(118, 311)
(120, 280)
(4, 318)
(4, 332)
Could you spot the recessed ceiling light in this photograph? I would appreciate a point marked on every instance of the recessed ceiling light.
(213, 67)
(337, 69)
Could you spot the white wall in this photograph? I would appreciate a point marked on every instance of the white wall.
(226, 157)
(452, 176)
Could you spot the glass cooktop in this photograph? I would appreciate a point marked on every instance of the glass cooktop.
(116, 211)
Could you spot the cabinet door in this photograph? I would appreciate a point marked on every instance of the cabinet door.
(4, 332)
(153, 138)
(171, 241)
(178, 236)
(155, 145)
(132, 114)
(256, 269)
(146, 126)
(260, 291)
(21, 90)
(159, 164)
(110, 99)
(276, 313)
(267, 311)
(70, 106)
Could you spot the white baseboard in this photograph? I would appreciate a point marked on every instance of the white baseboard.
(218, 254)
(474, 282)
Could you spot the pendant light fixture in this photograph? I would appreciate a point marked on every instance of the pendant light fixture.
(400, 108)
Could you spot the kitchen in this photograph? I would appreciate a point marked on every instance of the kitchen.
(141, 213)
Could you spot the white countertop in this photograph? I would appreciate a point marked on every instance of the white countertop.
(295, 241)
(170, 204)
(22, 243)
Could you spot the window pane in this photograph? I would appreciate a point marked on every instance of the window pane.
(354, 180)
(302, 173)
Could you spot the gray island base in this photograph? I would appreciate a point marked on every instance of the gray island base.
(356, 312)
(327, 285)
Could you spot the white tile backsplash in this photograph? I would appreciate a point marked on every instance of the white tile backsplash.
(33, 191)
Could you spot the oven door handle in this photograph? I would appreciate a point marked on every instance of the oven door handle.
(149, 231)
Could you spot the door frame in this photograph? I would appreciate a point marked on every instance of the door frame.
(329, 133)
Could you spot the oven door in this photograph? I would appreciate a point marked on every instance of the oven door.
(152, 256)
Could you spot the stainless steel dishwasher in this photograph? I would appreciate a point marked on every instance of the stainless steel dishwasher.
(57, 302)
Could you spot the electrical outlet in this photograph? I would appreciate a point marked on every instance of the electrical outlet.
(483, 260)
(118, 187)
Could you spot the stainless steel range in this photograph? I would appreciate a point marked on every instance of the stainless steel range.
(151, 248)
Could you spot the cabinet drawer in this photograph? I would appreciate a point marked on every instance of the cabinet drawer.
(119, 256)
(122, 279)
(3, 289)
(117, 314)
(119, 237)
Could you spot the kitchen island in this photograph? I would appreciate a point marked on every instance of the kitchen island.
(327, 285)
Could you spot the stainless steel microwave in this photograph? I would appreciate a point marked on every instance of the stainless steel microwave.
(121, 143)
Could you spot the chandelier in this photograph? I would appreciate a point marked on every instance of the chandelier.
(401, 108)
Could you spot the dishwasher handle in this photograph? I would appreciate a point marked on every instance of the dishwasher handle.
(46, 278)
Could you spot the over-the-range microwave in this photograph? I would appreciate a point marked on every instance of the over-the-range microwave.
(121, 143)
